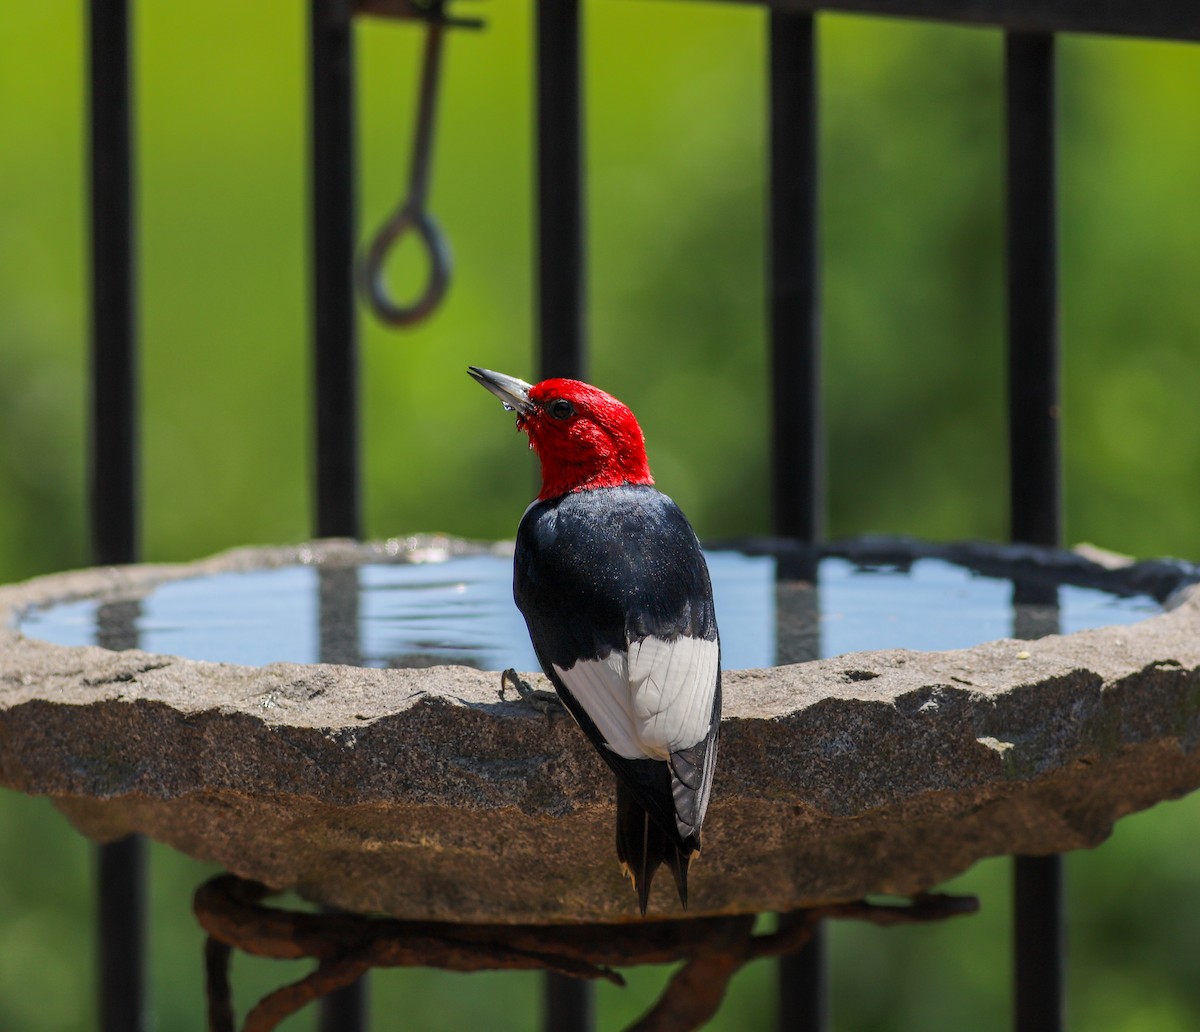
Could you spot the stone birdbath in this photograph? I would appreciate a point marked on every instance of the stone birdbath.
(420, 793)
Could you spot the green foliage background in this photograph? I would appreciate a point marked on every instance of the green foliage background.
(913, 289)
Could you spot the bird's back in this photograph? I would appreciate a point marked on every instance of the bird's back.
(594, 570)
(616, 595)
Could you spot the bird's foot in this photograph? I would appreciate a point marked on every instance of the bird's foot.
(542, 701)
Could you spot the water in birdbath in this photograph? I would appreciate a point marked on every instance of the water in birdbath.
(459, 610)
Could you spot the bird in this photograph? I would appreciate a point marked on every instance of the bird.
(615, 591)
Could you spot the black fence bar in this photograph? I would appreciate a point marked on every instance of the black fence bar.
(797, 477)
(803, 1000)
(1033, 360)
(121, 872)
(345, 1009)
(338, 630)
(568, 1004)
(793, 279)
(1039, 930)
(1034, 455)
(335, 331)
(1039, 933)
(560, 194)
(113, 461)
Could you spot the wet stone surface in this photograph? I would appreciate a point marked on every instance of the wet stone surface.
(419, 793)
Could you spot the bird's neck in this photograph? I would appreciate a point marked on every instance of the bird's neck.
(561, 475)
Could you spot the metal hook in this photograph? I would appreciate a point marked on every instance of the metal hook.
(411, 215)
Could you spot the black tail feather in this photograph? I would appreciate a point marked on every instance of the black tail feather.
(679, 862)
(642, 846)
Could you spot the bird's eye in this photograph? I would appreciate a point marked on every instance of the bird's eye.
(560, 408)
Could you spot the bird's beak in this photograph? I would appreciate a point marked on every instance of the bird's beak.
(513, 392)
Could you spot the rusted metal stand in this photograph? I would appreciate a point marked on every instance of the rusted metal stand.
(231, 911)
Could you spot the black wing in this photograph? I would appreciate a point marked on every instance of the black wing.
(598, 573)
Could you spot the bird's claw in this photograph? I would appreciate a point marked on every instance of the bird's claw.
(540, 700)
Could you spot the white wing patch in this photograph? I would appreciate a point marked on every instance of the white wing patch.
(652, 700)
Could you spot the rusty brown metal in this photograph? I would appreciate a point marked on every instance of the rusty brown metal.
(231, 911)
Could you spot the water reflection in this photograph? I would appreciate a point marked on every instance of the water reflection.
(1036, 612)
(772, 609)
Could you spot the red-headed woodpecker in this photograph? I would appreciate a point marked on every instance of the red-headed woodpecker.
(614, 589)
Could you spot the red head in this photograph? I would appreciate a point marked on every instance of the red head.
(585, 438)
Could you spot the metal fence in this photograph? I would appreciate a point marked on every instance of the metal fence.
(792, 295)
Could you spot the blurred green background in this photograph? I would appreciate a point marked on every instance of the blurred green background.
(914, 381)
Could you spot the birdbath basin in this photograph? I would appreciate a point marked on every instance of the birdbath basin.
(326, 718)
